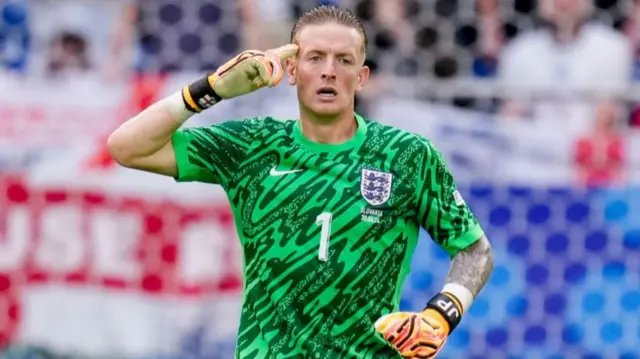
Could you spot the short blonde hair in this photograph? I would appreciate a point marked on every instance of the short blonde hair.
(330, 14)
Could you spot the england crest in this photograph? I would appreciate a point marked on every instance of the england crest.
(375, 186)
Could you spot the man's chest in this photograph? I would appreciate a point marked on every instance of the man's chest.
(351, 180)
(296, 195)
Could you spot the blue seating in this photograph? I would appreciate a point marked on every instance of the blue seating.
(566, 275)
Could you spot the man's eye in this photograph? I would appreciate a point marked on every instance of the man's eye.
(345, 61)
(315, 58)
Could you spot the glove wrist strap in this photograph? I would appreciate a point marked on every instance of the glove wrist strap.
(448, 306)
(200, 95)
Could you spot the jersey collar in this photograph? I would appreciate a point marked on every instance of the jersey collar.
(354, 142)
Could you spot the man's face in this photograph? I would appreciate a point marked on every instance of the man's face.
(565, 10)
(328, 69)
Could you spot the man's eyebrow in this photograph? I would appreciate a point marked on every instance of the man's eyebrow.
(345, 54)
(323, 52)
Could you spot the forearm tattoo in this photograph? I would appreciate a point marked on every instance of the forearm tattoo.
(472, 267)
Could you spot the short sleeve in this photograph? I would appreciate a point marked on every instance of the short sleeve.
(212, 154)
(441, 209)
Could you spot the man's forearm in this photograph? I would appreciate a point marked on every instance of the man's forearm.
(468, 273)
(149, 131)
(472, 267)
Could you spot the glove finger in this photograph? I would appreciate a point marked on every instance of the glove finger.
(411, 335)
(231, 63)
(260, 74)
(390, 321)
(422, 351)
(236, 61)
(432, 322)
(284, 52)
(427, 349)
(281, 54)
(272, 65)
(383, 322)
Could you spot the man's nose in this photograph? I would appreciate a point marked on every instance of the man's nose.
(328, 71)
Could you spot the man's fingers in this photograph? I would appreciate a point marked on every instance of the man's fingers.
(257, 73)
(434, 323)
(285, 52)
(266, 72)
(253, 70)
(383, 323)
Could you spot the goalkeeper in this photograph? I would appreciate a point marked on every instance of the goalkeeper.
(327, 207)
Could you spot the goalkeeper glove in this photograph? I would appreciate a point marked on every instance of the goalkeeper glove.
(245, 73)
(423, 334)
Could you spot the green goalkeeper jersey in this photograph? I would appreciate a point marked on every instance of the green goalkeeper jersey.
(327, 231)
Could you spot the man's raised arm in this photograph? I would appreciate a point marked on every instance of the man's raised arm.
(145, 141)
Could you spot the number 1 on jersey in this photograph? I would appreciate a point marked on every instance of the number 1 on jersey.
(324, 220)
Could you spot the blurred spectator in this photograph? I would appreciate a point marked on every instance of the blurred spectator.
(194, 35)
(68, 55)
(600, 155)
(634, 118)
(632, 30)
(491, 38)
(271, 23)
(15, 37)
(74, 41)
(392, 35)
(392, 50)
(557, 65)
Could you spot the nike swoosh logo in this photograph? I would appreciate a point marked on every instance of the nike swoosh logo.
(275, 172)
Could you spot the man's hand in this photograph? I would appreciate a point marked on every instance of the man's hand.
(423, 334)
(250, 71)
(245, 73)
(414, 335)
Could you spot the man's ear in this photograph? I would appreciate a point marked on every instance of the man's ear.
(363, 76)
(291, 71)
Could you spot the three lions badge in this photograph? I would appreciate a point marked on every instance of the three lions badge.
(375, 186)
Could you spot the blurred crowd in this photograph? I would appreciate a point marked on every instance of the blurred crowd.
(569, 62)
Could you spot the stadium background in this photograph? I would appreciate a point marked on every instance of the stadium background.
(100, 262)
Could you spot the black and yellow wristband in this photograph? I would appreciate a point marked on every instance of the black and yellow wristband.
(200, 95)
(449, 307)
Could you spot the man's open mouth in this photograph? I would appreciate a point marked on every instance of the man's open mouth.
(327, 92)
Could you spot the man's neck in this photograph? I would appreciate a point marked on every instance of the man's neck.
(329, 130)
(568, 31)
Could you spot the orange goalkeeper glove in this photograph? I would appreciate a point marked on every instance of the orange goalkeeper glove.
(423, 334)
(245, 73)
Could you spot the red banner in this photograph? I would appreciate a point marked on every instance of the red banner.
(94, 239)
